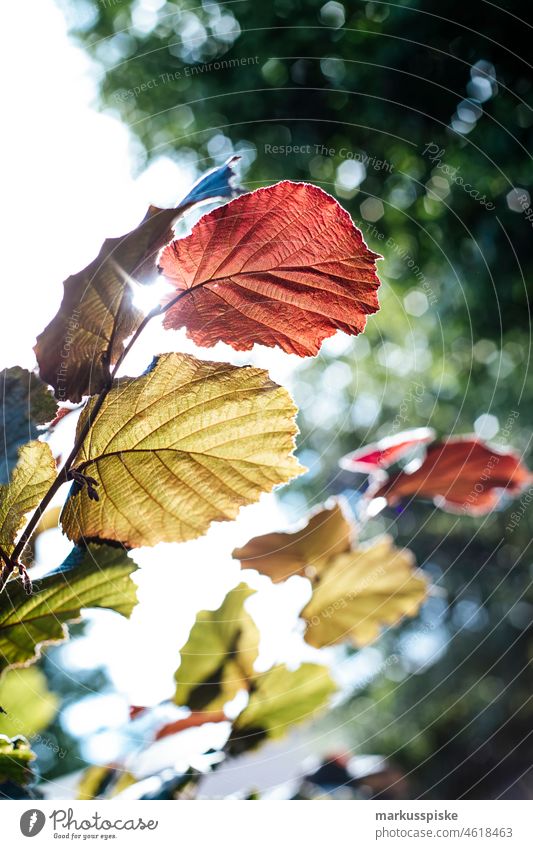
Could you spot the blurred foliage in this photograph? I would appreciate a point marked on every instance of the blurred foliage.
(27, 703)
(70, 686)
(96, 781)
(419, 123)
(15, 762)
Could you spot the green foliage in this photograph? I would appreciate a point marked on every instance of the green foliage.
(218, 662)
(28, 704)
(280, 699)
(15, 759)
(98, 576)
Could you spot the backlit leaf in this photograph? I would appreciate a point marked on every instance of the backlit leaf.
(186, 444)
(27, 703)
(98, 576)
(462, 475)
(15, 759)
(31, 479)
(362, 591)
(282, 266)
(26, 403)
(217, 659)
(282, 698)
(280, 555)
(97, 314)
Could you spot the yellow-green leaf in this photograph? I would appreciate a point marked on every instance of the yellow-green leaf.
(217, 659)
(103, 782)
(283, 698)
(27, 703)
(15, 759)
(98, 576)
(31, 478)
(302, 552)
(362, 591)
(186, 444)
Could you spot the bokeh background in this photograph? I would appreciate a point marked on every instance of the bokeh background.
(418, 118)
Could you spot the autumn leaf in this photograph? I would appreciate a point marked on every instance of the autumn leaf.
(302, 552)
(15, 760)
(282, 266)
(360, 592)
(186, 444)
(280, 699)
(217, 659)
(31, 479)
(99, 576)
(97, 313)
(380, 455)
(26, 404)
(461, 474)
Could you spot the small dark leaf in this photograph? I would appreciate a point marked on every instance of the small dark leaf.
(26, 403)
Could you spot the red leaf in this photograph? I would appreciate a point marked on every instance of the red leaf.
(60, 415)
(462, 474)
(380, 455)
(192, 721)
(137, 710)
(284, 266)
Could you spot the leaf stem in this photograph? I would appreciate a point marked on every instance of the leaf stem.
(62, 476)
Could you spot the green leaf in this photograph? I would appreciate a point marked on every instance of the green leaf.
(26, 403)
(281, 699)
(186, 444)
(217, 659)
(99, 576)
(15, 759)
(103, 782)
(28, 704)
(31, 479)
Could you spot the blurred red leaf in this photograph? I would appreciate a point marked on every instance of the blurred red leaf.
(284, 266)
(462, 475)
(380, 455)
(137, 710)
(192, 721)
